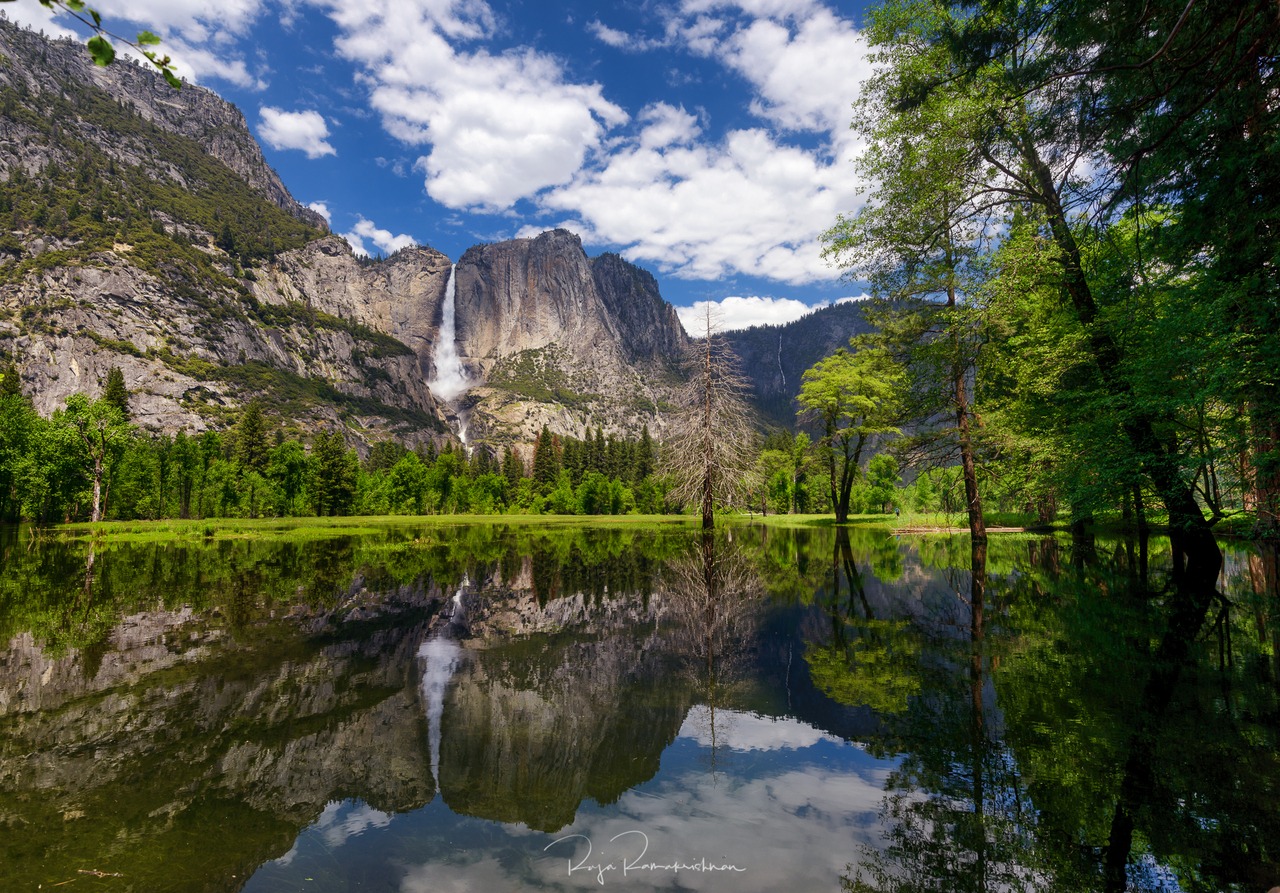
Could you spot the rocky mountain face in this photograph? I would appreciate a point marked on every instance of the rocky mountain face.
(36, 66)
(554, 337)
(141, 227)
(774, 358)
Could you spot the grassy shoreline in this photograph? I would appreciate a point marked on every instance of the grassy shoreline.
(908, 523)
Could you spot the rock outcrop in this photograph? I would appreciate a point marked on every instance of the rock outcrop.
(143, 264)
(35, 65)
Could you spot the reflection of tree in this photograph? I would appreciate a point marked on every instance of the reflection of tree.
(1108, 755)
(715, 592)
(866, 660)
(958, 818)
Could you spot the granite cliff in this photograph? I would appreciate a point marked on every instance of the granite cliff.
(141, 227)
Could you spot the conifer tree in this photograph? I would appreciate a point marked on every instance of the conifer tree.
(115, 393)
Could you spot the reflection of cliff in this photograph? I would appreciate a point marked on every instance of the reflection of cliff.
(193, 755)
(562, 702)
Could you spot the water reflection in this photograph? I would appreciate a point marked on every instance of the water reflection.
(441, 705)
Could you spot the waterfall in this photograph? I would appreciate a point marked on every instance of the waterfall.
(451, 377)
(441, 655)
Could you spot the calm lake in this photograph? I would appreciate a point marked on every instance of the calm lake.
(507, 707)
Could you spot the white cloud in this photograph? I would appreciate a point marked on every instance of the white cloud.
(202, 38)
(307, 131)
(743, 313)
(322, 208)
(806, 74)
(501, 125)
(748, 205)
(621, 40)
(750, 731)
(755, 202)
(382, 239)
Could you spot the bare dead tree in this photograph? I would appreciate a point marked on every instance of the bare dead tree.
(711, 452)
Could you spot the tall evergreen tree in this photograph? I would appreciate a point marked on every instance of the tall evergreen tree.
(115, 392)
(546, 461)
(249, 442)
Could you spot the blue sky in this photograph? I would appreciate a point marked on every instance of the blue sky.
(705, 140)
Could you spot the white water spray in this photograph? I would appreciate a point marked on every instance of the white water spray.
(451, 378)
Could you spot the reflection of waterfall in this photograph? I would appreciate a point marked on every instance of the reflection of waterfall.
(451, 377)
(441, 655)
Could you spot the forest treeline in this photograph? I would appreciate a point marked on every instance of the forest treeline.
(51, 467)
(55, 469)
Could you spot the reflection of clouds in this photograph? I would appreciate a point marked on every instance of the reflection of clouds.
(795, 826)
(450, 877)
(749, 731)
(797, 829)
(341, 821)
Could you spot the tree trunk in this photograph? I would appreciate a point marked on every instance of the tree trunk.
(97, 488)
(1158, 459)
(969, 466)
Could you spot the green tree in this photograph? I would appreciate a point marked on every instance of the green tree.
(249, 442)
(10, 381)
(883, 481)
(546, 460)
(115, 392)
(512, 468)
(104, 431)
(853, 397)
(645, 455)
(333, 470)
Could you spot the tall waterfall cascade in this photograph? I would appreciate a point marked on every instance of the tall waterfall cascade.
(451, 377)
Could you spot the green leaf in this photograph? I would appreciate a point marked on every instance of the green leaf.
(97, 19)
(101, 50)
(174, 81)
(146, 38)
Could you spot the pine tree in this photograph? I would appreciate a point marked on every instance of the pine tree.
(115, 393)
(249, 442)
(546, 461)
(512, 467)
(644, 455)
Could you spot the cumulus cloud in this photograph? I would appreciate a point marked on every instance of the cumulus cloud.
(307, 131)
(202, 39)
(749, 204)
(806, 73)
(742, 313)
(754, 201)
(322, 208)
(501, 126)
(621, 40)
(382, 239)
